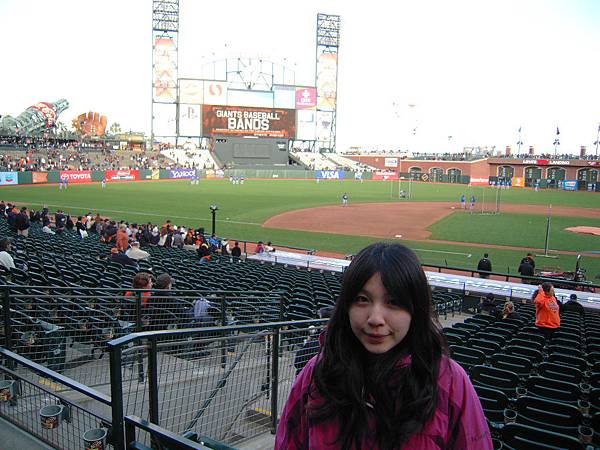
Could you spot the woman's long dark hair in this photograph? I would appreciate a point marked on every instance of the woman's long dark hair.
(402, 393)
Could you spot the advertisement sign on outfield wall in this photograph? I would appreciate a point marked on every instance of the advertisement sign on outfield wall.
(385, 175)
(330, 174)
(76, 176)
(9, 178)
(40, 177)
(122, 175)
(479, 181)
(570, 185)
(182, 173)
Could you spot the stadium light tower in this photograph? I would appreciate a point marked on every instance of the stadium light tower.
(556, 141)
(597, 140)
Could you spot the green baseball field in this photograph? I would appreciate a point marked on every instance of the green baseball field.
(303, 213)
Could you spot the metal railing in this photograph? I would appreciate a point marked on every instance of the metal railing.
(224, 382)
(67, 328)
(48, 405)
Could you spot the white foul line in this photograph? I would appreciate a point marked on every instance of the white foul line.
(468, 255)
(85, 208)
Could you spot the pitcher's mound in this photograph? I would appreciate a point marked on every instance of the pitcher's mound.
(585, 230)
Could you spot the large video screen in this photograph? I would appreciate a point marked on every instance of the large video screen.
(242, 121)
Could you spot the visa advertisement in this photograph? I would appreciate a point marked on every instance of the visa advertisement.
(330, 174)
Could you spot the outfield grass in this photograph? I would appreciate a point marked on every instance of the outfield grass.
(243, 209)
(519, 230)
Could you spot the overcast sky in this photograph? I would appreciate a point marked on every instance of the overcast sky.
(475, 70)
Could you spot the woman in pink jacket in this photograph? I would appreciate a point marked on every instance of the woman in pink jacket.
(382, 379)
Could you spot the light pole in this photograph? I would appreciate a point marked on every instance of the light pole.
(597, 140)
(520, 142)
(556, 141)
(213, 211)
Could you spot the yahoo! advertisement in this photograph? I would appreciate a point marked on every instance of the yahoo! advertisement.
(76, 176)
(182, 173)
(9, 178)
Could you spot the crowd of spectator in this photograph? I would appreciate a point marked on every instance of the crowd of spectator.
(43, 159)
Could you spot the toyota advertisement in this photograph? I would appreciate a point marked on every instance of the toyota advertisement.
(244, 121)
(122, 175)
(76, 176)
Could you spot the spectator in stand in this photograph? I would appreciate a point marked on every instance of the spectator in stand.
(11, 213)
(5, 258)
(80, 227)
(134, 252)
(122, 258)
(46, 227)
(547, 310)
(269, 248)
(177, 239)
(69, 225)
(2, 209)
(383, 378)
(260, 248)
(122, 239)
(204, 252)
(142, 280)
(225, 249)
(484, 265)
(488, 305)
(236, 251)
(22, 222)
(573, 305)
(508, 312)
(311, 345)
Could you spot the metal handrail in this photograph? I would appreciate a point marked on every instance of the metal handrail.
(125, 340)
(55, 376)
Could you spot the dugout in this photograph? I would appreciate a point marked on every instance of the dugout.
(250, 151)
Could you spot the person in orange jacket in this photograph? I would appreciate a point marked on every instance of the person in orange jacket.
(547, 308)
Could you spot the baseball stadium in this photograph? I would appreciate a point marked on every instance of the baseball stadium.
(174, 291)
